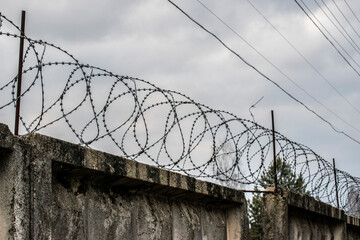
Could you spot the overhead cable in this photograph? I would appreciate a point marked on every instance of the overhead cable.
(346, 19)
(331, 35)
(347, 4)
(262, 74)
(304, 58)
(279, 70)
(327, 38)
(343, 32)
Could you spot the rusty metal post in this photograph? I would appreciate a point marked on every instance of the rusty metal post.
(21, 54)
(274, 150)
(336, 184)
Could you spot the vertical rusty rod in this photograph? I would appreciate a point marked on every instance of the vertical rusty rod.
(21, 54)
(274, 150)
(336, 184)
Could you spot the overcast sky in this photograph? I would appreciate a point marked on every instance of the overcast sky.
(154, 41)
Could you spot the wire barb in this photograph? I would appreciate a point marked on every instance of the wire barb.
(168, 129)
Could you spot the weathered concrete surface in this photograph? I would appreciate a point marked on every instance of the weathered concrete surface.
(304, 225)
(353, 228)
(287, 215)
(188, 218)
(353, 232)
(274, 217)
(14, 187)
(52, 189)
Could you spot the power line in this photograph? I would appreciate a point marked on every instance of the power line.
(260, 73)
(327, 38)
(304, 58)
(352, 11)
(327, 31)
(279, 70)
(348, 38)
(346, 19)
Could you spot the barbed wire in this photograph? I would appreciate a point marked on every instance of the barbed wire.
(164, 127)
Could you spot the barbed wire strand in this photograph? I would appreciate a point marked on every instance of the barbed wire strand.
(129, 118)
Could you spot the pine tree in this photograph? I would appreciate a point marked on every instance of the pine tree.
(286, 179)
(285, 176)
(254, 217)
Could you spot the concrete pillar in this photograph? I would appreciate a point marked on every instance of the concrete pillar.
(274, 217)
(237, 223)
(40, 198)
(14, 187)
(50, 189)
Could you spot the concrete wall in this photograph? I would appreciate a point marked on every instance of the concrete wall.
(14, 188)
(50, 189)
(287, 215)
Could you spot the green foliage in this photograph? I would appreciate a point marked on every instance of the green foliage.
(285, 176)
(286, 179)
(255, 218)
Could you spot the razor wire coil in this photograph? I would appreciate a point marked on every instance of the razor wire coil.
(243, 144)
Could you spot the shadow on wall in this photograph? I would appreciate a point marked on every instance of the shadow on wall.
(80, 193)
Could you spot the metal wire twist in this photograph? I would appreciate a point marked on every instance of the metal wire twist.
(163, 127)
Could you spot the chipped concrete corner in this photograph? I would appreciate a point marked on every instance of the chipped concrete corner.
(50, 189)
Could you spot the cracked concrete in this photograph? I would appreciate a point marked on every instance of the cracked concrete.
(51, 189)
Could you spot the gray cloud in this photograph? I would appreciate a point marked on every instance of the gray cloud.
(154, 41)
